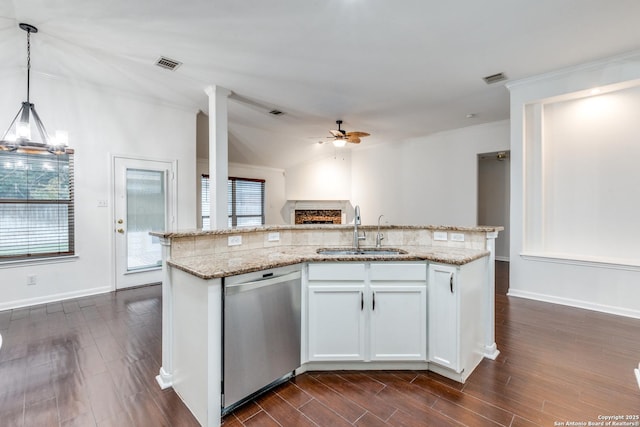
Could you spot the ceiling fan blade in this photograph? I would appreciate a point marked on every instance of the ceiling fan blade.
(357, 134)
(336, 133)
(353, 139)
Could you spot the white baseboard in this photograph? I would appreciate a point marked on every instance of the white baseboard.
(502, 258)
(54, 298)
(620, 311)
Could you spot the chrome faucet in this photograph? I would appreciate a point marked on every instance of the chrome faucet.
(356, 236)
(379, 236)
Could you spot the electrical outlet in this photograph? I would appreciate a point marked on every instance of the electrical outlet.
(32, 279)
(234, 240)
(273, 237)
(439, 235)
(457, 237)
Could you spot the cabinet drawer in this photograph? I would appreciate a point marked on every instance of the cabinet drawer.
(398, 271)
(336, 271)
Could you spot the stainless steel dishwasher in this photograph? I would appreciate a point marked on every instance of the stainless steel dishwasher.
(261, 332)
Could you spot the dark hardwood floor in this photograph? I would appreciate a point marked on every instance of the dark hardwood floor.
(92, 361)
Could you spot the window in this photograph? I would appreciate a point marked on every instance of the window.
(204, 202)
(246, 202)
(36, 205)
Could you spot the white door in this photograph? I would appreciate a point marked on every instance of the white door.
(336, 321)
(398, 321)
(443, 316)
(143, 191)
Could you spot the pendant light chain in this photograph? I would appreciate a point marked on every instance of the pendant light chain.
(28, 62)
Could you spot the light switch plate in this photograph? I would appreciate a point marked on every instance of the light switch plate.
(234, 240)
(439, 235)
(102, 203)
(457, 237)
(273, 237)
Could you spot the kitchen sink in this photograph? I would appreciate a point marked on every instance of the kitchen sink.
(367, 251)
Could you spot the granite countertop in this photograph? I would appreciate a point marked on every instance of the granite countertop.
(246, 261)
(187, 233)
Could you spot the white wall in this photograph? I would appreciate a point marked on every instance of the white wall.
(595, 282)
(326, 178)
(274, 196)
(591, 176)
(101, 123)
(427, 180)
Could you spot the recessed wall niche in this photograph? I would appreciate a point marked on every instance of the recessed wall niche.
(582, 174)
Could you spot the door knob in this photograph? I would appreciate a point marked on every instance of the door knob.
(120, 221)
(120, 230)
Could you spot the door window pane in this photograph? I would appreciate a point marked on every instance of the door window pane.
(146, 209)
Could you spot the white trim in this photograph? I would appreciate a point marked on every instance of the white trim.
(358, 365)
(502, 258)
(575, 303)
(164, 379)
(38, 261)
(637, 372)
(491, 352)
(584, 261)
(255, 167)
(570, 70)
(54, 298)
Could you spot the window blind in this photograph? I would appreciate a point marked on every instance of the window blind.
(245, 202)
(36, 205)
(205, 202)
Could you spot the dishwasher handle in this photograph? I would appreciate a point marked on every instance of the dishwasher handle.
(260, 283)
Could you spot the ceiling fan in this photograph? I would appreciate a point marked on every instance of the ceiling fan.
(341, 136)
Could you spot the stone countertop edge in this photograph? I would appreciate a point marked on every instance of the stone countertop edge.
(206, 267)
(188, 233)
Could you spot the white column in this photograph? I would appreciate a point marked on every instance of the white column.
(218, 156)
(164, 378)
(490, 348)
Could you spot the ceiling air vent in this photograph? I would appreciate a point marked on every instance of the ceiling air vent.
(276, 112)
(494, 78)
(169, 64)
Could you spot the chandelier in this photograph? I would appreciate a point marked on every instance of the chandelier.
(18, 137)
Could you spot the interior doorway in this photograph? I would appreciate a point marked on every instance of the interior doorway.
(494, 196)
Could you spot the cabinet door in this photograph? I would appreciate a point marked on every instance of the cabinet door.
(336, 322)
(443, 316)
(398, 328)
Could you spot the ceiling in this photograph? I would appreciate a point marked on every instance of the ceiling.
(394, 69)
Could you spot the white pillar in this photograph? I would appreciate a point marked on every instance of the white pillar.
(218, 156)
(165, 378)
(490, 348)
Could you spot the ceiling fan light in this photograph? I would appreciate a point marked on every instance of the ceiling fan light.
(339, 142)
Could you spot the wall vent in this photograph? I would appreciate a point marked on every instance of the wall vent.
(276, 112)
(494, 78)
(169, 64)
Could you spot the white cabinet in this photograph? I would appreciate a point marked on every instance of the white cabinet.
(456, 312)
(366, 311)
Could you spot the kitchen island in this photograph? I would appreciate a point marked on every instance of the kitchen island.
(443, 273)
